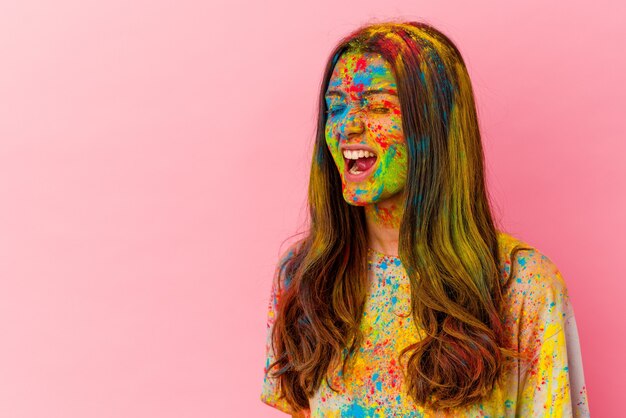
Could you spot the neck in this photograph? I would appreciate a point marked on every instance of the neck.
(383, 224)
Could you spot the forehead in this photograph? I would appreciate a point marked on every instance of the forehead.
(358, 71)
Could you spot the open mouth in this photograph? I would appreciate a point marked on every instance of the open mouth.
(359, 165)
(359, 161)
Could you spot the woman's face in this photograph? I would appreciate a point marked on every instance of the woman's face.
(364, 128)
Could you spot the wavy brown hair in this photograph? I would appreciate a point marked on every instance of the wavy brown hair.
(447, 239)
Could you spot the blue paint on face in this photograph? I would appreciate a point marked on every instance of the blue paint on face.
(372, 120)
(378, 193)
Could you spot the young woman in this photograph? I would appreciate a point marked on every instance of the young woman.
(403, 299)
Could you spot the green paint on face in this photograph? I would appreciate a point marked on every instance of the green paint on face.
(359, 116)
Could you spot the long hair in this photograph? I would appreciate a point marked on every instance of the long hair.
(448, 242)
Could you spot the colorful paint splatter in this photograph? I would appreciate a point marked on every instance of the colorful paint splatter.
(364, 109)
(538, 314)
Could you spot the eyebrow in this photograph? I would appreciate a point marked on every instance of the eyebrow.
(339, 93)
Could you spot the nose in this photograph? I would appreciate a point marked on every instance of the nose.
(353, 125)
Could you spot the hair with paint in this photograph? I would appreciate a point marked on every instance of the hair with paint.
(447, 238)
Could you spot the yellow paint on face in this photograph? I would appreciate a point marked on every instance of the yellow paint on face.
(357, 117)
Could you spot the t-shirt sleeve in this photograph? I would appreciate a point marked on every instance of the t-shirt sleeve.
(552, 384)
(270, 391)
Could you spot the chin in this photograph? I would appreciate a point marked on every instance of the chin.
(360, 201)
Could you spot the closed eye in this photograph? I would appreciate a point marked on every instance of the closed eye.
(335, 110)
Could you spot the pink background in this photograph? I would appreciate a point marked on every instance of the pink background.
(154, 155)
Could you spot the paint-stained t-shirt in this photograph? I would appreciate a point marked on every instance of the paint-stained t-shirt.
(537, 314)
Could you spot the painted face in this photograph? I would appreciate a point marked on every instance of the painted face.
(364, 128)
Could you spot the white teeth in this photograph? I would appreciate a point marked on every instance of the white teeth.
(353, 155)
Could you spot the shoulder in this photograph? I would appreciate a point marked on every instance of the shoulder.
(536, 300)
(282, 273)
(533, 283)
(526, 268)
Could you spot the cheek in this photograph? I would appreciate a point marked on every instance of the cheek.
(328, 131)
(394, 166)
(333, 144)
(331, 139)
(388, 132)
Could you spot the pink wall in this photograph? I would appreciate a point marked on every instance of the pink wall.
(154, 155)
